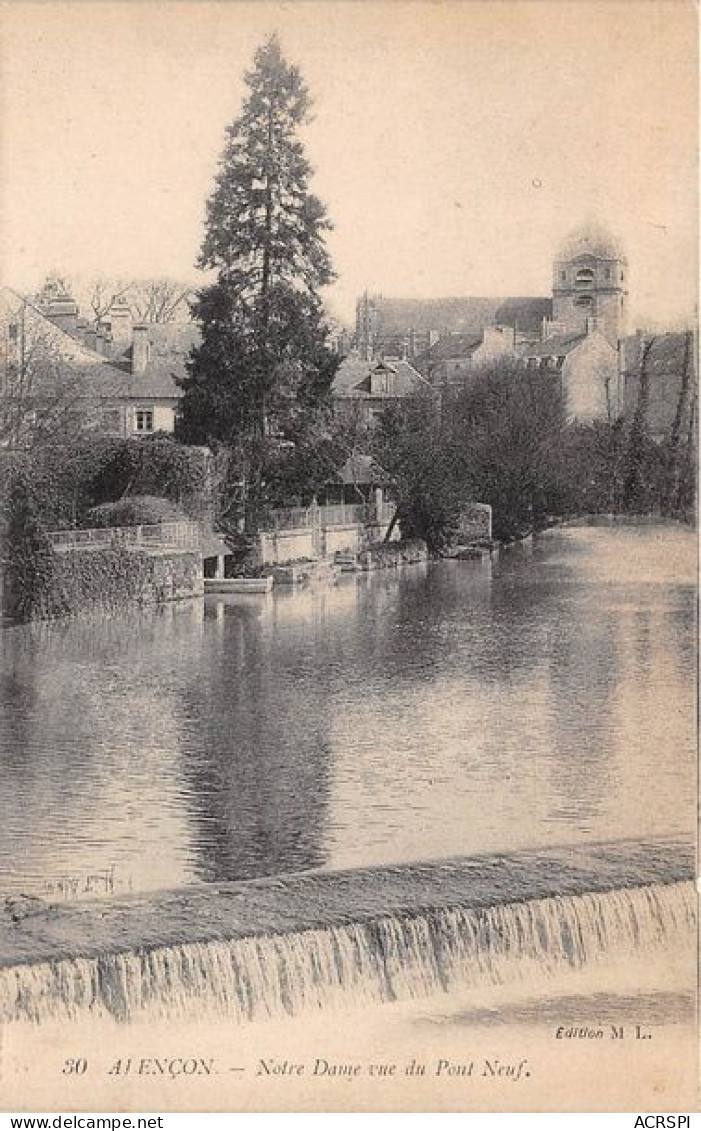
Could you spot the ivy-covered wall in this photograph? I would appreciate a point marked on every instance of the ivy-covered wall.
(72, 581)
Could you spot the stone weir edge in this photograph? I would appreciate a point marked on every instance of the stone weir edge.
(34, 932)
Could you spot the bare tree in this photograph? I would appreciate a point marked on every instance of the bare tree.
(105, 292)
(159, 300)
(150, 300)
(42, 396)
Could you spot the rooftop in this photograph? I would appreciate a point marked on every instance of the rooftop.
(353, 377)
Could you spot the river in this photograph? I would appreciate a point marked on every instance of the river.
(547, 697)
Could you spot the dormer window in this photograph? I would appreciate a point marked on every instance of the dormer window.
(382, 381)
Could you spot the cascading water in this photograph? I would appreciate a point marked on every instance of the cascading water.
(389, 958)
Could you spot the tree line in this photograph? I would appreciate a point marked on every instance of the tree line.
(505, 439)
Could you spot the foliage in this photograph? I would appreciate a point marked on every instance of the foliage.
(260, 378)
(135, 510)
(413, 445)
(30, 558)
(71, 477)
(505, 440)
(247, 569)
(507, 431)
(43, 398)
(109, 578)
(380, 555)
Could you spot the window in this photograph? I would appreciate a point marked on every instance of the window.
(584, 277)
(144, 420)
(13, 331)
(608, 272)
(583, 300)
(563, 276)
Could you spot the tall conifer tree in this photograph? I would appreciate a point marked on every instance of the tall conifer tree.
(263, 371)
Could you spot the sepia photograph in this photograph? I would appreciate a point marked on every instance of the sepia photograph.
(348, 556)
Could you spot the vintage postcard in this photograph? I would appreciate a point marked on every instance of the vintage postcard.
(348, 434)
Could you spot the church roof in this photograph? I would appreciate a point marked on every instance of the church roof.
(464, 315)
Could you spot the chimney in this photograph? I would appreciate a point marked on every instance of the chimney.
(141, 349)
(498, 340)
(119, 315)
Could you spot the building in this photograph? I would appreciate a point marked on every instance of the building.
(120, 378)
(454, 357)
(659, 378)
(577, 331)
(408, 328)
(368, 387)
(589, 369)
(590, 284)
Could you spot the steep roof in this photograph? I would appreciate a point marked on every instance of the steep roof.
(448, 347)
(110, 378)
(557, 346)
(352, 378)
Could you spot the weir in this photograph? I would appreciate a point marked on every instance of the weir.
(282, 945)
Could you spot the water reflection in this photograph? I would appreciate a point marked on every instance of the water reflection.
(457, 707)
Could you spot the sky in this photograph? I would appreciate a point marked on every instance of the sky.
(455, 144)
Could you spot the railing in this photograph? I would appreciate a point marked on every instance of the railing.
(344, 514)
(187, 535)
(184, 535)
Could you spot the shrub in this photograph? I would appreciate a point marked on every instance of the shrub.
(136, 510)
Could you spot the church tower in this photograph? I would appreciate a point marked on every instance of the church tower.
(590, 275)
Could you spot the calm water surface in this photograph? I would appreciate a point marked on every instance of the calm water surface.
(457, 707)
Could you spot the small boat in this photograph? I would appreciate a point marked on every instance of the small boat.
(238, 584)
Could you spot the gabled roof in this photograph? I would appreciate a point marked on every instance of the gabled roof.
(353, 378)
(112, 383)
(99, 377)
(449, 347)
(557, 346)
(170, 345)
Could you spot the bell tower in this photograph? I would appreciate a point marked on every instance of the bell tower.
(590, 291)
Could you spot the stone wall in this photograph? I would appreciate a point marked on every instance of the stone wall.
(305, 542)
(287, 545)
